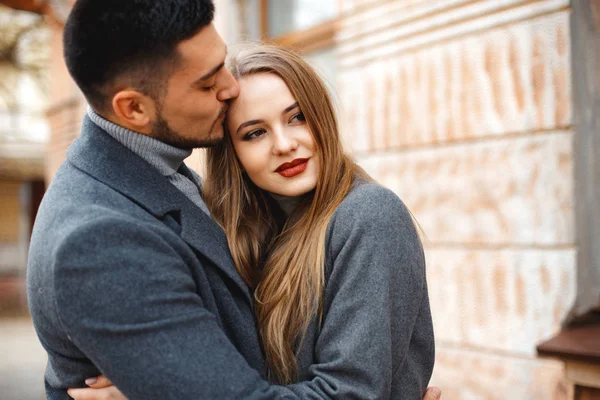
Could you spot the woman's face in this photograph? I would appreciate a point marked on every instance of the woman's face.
(271, 138)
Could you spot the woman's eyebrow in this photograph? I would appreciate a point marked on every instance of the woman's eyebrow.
(248, 123)
(259, 121)
(290, 108)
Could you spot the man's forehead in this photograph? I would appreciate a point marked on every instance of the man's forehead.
(205, 50)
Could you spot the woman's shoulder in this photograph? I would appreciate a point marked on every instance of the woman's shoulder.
(372, 219)
(370, 206)
(371, 200)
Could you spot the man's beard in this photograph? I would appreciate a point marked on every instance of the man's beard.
(163, 132)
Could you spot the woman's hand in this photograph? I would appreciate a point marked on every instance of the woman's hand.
(100, 388)
(433, 393)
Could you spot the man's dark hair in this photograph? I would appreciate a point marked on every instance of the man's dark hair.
(131, 39)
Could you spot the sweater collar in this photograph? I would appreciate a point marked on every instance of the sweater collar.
(165, 158)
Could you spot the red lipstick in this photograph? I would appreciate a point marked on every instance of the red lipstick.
(292, 168)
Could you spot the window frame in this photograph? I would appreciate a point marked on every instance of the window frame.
(315, 38)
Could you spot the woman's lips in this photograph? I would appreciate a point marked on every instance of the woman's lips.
(292, 168)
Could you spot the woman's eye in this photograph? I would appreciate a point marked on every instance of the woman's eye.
(254, 134)
(209, 88)
(298, 117)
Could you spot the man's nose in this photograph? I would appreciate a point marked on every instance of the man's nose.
(231, 88)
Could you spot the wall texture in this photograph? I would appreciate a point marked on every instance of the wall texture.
(464, 109)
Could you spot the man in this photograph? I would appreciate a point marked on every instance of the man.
(128, 276)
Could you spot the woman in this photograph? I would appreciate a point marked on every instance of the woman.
(334, 259)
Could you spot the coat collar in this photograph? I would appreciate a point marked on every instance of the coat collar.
(102, 157)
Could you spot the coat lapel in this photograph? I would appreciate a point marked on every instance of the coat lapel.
(98, 154)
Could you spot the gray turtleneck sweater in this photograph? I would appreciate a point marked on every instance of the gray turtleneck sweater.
(167, 159)
(286, 203)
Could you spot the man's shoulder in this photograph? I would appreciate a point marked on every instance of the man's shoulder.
(74, 197)
(76, 202)
(72, 183)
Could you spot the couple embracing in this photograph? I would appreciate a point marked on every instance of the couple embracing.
(287, 273)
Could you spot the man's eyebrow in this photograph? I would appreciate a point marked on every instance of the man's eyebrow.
(248, 123)
(210, 74)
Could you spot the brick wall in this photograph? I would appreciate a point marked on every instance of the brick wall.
(66, 106)
(464, 109)
(11, 229)
(13, 246)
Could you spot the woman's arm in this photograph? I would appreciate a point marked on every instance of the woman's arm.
(376, 338)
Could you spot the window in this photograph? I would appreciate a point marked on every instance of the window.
(308, 26)
(287, 16)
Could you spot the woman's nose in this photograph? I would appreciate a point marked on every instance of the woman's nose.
(283, 143)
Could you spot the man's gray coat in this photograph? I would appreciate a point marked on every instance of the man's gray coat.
(127, 277)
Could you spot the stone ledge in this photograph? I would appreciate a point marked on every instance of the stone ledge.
(580, 343)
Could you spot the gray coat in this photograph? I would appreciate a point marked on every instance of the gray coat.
(127, 277)
(375, 340)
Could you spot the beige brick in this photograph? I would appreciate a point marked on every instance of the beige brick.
(505, 191)
(62, 87)
(66, 106)
(349, 6)
(507, 300)
(358, 15)
(390, 27)
(511, 79)
(65, 125)
(10, 204)
(472, 375)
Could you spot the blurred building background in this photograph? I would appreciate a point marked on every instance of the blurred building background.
(24, 134)
(482, 115)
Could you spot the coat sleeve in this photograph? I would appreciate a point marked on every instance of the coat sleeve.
(127, 299)
(376, 335)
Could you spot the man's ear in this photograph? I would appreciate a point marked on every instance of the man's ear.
(134, 109)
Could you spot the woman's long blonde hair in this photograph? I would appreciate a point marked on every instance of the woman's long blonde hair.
(288, 289)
